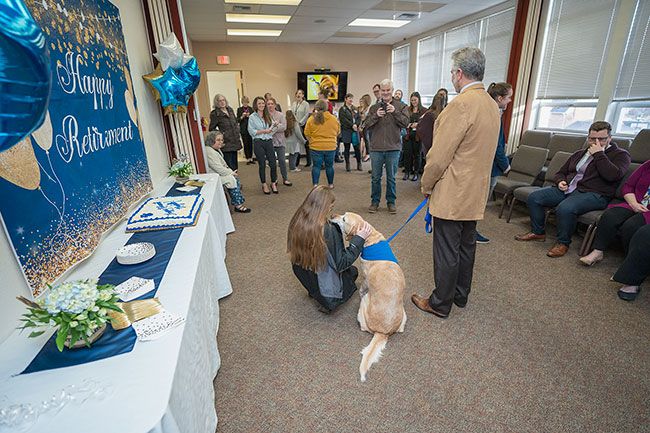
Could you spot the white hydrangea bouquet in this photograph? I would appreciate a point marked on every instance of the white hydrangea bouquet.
(79, 309)
(181, 168)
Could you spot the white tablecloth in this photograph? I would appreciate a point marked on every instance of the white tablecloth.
(162, 386)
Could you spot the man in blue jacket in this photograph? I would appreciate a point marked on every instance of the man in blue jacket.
(502, 94)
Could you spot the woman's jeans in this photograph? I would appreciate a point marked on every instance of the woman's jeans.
(318, 156)
(280, 154)
(263, 152)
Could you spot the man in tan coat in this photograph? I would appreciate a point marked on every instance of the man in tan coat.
(456, 178)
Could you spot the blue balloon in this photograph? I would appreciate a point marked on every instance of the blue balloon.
(190, 75)
(25, 74)
(176, 86)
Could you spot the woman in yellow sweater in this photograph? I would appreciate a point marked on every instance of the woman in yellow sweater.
(322, 129)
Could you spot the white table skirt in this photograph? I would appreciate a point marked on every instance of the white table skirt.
(162, 386)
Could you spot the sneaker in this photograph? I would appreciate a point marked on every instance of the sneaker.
(480, 239)
(296, 170)
(373, 208)
(392, 208)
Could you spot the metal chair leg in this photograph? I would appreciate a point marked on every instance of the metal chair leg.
(592, 236)
(512, 205)
(585, 241)
(503, 204)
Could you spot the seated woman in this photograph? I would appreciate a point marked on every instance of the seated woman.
(623, 218)
(636, 266)
(319, 257)
(216, 164)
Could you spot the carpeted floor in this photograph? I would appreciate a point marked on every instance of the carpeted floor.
(544, 345)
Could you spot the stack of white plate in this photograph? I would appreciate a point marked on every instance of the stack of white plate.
(133, 254)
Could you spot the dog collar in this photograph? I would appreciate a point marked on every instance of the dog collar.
(379, 251)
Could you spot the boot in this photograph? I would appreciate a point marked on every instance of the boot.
(347, 165)
(359, 166)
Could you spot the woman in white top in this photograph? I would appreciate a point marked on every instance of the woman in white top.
(295, 141)
(278, 126)
(300, 109)
(216, 164)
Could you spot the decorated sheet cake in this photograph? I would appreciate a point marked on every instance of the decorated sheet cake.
(159, 213)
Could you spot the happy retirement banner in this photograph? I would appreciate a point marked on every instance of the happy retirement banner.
(75, 176)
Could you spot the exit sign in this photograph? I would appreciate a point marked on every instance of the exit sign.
(223, 60)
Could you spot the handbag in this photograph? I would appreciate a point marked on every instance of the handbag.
(355, 138)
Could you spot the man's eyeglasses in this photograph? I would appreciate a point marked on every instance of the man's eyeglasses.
(595, 139)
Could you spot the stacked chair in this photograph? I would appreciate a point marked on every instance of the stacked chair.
(526, 165)
(521, 194)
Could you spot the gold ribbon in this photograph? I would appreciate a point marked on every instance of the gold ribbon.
(134, 311)
(198, 183)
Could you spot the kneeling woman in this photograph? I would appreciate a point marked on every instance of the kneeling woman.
(216, 164)
(320, 259)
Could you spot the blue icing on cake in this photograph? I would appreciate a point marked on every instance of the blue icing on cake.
(159, 213)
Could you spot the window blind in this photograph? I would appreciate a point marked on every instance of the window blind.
(429, 66)
(496, 39)
(634, 77)
(400, 69)
(461, 37)
(576, 42)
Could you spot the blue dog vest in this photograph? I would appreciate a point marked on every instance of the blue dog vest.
(379, 251)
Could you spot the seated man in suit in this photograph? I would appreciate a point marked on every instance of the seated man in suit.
(586, 182)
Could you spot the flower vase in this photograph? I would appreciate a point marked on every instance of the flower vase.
(182, 179)
(82, 343)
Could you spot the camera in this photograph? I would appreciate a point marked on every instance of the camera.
(383, 105)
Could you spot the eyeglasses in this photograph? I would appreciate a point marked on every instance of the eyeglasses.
(595, 139)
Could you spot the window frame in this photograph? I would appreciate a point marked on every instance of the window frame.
(538, 104)
(614, 114)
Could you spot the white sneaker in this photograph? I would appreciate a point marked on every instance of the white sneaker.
(296, 170)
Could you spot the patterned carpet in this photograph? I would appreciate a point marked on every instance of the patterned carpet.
(544, 345)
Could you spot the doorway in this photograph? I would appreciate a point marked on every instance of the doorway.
(227, 83)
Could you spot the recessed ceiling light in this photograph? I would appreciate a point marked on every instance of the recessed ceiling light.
(257, 18)
(267, 2)
(253, 32)
(368, 22)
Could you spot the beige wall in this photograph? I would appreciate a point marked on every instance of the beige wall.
(272, 67)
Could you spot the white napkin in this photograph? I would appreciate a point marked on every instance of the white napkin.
(156, 326)
(133, 288)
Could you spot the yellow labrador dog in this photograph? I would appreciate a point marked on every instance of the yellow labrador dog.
(381, 311)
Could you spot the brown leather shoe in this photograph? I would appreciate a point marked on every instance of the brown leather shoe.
(423, 304)
(530, 236)
(558, 250)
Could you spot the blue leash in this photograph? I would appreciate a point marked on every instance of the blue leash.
(427, 219)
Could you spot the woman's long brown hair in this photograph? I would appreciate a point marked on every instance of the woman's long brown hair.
(439, 103)
(291, 123)
(305, 242)
(319, 112)
(266, 116)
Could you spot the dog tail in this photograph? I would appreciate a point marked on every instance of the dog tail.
(372, 353)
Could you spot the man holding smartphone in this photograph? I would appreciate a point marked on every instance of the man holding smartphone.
(386, 118)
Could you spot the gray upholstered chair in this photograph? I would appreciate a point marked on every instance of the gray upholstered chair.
(640, 147)
(526, 165)
(535, 138)
(565, 143)
(521, 194)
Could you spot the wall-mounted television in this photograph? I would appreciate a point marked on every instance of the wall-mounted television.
(313, 82)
